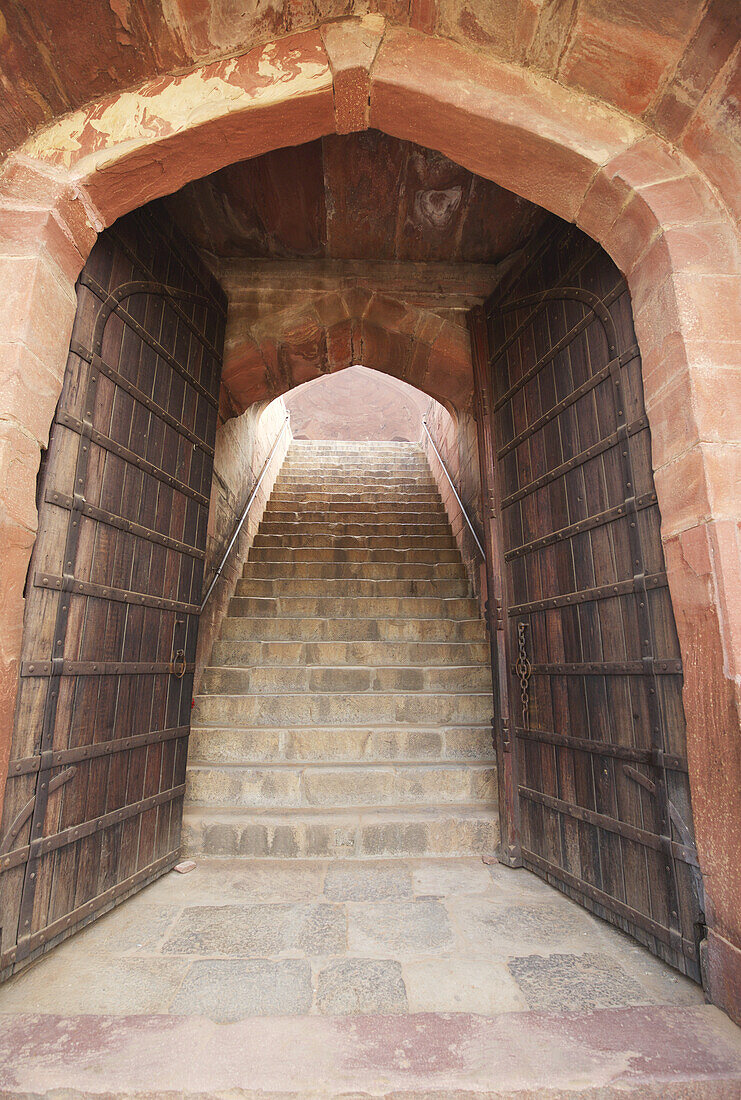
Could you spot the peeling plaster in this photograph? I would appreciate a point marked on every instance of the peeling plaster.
(173, 105)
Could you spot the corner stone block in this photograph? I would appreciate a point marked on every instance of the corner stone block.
(37, 308)
(20, 456)
(682, 491)
(39, 206)
(723, 475)
(28, 391)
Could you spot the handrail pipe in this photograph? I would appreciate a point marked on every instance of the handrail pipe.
(455, 491)
(245, 513)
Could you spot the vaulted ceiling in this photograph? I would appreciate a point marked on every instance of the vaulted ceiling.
(359, 196)
(356, 248)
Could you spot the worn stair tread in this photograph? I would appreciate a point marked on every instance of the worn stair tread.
(387, 763)
(343, 710)
(405, 812)
(337, 727)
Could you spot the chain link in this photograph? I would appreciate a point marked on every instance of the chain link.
(523, 668)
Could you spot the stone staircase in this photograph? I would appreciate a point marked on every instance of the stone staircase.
(347, 709)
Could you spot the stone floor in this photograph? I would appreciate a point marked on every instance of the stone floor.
(250, 976)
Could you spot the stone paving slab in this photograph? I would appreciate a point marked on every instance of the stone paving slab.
(608, 1054)
(432, 935)
(434, 978)
(258, 930)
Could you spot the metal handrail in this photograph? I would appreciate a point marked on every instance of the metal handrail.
(452, 486)
(245, 512)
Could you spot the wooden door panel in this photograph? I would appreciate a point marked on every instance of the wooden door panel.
(599, 745)
(94, 795)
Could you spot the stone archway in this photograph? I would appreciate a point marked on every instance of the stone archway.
(649, 206)
(352, 325)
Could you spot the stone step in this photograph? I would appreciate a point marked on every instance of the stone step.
(344, 708)
(398, 485)
(344, 570)
(353, 501)
(243, 745)
(363, 471)
(339, 786)
(445, 588)
(349, 446)
(347, 471)
(366, 475)
(355, 607)
(321, 654)
(287, 679)
(357, 542)
(368, 833)
(322, 629)
(301, 514)
(355, 554)
(375, 465)
(365, 529)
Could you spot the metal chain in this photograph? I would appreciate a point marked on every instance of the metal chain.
(523, 668)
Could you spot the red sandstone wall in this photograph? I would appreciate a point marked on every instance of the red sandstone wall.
(242, 445)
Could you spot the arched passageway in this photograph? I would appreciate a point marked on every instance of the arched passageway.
(650, 207)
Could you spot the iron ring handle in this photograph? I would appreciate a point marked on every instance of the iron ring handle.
(178, 673)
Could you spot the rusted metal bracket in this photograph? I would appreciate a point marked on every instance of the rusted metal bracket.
(667, 935)
(92, 511)
(606, 748)
(156, 410)
(598, 520)
(111, 303)
(85, 429)
(62, 667)
(68, 583)
(657, 842)
(25, 812)
(639, 583)
(46, 760)
(27, 944)
(639, 778)
(557, 472)
(581, 391)
(649, 666)
(46, 844)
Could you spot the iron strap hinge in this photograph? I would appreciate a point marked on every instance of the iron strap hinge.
(61, 667)
(494, 613)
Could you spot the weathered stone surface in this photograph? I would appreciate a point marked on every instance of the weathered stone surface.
(494, 929)
(398, 928)
(85, 984)
(257, 930)
(574, 981)
(227, 990)
(367, 881)
(461, 985)
(350, 986)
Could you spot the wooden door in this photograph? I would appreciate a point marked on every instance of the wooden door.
(93, 801)
(601, 790)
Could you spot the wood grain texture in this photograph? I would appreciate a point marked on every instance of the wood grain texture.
(600, 756)
(100, 740)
